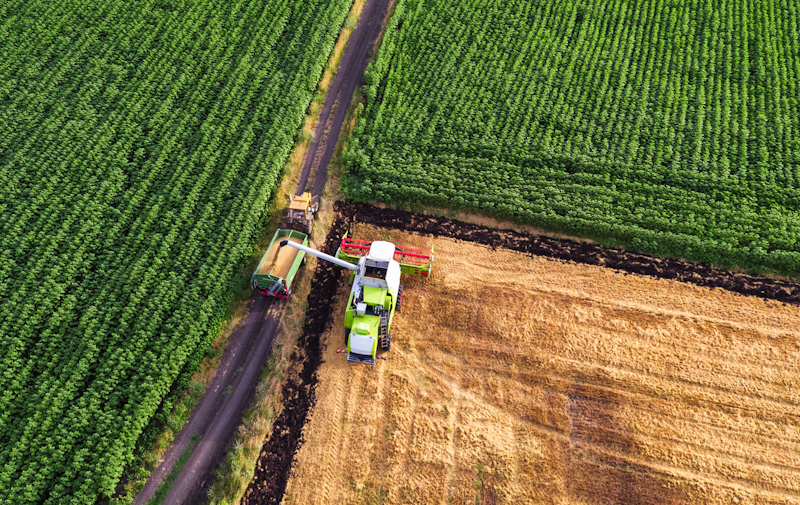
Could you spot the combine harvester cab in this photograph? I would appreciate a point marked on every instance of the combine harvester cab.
(278, 266)
(376, 291)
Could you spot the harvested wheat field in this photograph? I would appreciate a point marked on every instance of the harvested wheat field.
(515, 379)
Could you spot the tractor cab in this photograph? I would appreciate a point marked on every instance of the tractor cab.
(301, 213)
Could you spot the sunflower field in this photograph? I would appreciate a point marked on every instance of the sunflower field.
(140, 143)
(669, 127)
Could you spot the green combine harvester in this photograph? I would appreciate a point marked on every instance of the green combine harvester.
(376, 292)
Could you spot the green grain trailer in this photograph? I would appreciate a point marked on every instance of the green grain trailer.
(279, 265)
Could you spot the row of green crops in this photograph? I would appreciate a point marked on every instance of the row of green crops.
(672, 127)
(140, 142)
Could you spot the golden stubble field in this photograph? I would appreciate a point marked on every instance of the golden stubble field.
(518, 380)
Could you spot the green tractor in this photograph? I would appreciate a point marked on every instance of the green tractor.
(376, 291)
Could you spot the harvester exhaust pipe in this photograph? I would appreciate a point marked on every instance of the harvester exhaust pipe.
(318, 254)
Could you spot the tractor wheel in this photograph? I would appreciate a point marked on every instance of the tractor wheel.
(309, 227)
(399, 297)
(287, 224)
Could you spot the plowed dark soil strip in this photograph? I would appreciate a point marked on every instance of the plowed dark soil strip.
(590, 254)
(272, 469)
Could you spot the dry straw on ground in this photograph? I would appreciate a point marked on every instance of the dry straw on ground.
(519, 380)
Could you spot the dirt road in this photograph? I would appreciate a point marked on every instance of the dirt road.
(219, 411)
(340, 93)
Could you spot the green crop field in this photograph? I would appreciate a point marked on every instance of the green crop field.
(140, 142)
(670, 127)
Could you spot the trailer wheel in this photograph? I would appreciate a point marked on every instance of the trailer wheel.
(399, 297)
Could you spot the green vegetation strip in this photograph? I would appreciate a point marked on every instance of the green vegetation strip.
(140, 144)
(166, 485)
(668, 127)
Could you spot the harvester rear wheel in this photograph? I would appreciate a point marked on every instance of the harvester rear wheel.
(388, 342)
(346, 335)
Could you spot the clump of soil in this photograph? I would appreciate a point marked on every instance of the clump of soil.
(521, 379)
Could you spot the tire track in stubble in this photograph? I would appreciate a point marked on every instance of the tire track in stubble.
(604, 456)
(341, 405)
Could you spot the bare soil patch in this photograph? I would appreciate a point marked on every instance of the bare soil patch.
(516, 378)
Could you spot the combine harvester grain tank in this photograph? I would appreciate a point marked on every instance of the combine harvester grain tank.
(376, 292)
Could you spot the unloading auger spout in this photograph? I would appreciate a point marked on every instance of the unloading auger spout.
(318, 254)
